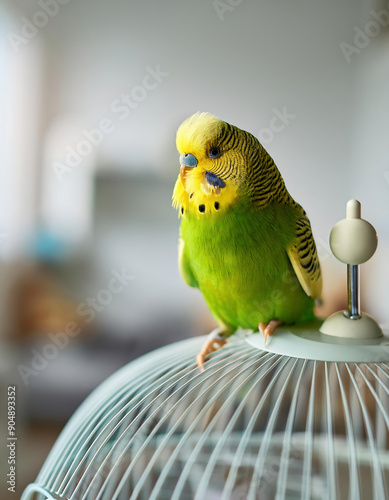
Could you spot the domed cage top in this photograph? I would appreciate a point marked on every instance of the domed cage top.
(254, 425)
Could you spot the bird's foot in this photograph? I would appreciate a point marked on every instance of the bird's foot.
(267, 329)
(214, 342)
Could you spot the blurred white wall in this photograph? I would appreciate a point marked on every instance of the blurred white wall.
(369, 176)
(21, 83)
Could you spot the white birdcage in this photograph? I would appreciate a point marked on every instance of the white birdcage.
(307, 417)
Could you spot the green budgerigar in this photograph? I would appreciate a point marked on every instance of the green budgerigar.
(244, 242)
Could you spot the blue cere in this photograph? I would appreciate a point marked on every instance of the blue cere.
(188, 160)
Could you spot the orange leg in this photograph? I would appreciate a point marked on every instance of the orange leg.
(267, 329)
(214, 342)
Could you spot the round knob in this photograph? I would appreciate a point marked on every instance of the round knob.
(353, 240)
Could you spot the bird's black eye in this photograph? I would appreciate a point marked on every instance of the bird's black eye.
(214, 152)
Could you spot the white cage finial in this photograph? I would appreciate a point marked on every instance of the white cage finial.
(353, 241)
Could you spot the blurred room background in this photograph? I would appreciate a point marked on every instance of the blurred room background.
(91, 95)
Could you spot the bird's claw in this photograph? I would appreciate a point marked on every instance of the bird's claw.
(211, 345)
(267, 329)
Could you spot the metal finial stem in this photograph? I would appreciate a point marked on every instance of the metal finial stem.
(353, 291)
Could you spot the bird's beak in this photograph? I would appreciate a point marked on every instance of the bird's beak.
(183, 172)
(187, 162)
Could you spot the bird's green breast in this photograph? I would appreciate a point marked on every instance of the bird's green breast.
(240, 262)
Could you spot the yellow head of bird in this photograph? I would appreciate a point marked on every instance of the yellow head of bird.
(215, 162)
